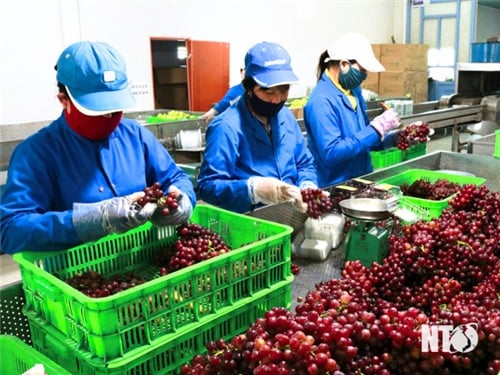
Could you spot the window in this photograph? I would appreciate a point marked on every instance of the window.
(441, 63)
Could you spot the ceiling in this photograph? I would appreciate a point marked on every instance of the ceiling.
(490, 3)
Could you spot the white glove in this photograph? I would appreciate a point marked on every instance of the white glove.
(385, 122)
(270, 190)
(175, 217)
(267, 190)
(116, 215)
(295, 196)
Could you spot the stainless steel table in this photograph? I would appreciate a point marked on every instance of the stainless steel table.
(312, 272)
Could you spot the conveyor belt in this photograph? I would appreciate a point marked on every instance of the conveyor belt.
(439, 117)
(447, 117)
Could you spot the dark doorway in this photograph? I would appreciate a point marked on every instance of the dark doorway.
(187, 74)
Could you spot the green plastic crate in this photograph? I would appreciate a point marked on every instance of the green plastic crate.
(110, 327)
(17, 357)
(429, 209)
(386, 158)
(13, 322)
(415, 151)
(167, 355)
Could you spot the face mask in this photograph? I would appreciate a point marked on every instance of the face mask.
(352, 78)
(95, 128)
(263, 108)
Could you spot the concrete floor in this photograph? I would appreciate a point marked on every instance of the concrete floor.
(442, 141)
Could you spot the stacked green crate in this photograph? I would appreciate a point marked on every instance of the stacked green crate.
(121, 326)
(414, 151)
(166, 356)
(386, 158)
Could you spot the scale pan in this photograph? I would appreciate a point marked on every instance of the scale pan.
(365, 208)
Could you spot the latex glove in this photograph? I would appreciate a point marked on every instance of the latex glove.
(178, 216)
(390, 139)
(295, 197)
(116, 215)
(267, 190)
(385, 122)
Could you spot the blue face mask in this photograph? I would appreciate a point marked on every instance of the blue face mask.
(352, 78)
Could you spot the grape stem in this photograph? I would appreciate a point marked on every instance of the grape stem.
(464, 244)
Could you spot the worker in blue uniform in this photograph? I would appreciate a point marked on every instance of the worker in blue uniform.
(80, 178)
(255, 151)
(339, 133)
(232, 95)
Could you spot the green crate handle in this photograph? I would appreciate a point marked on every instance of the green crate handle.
(48, 289)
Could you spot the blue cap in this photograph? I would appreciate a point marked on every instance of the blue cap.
(95, 77)
(269, 65)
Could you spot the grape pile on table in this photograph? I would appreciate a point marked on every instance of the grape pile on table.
(369, 321)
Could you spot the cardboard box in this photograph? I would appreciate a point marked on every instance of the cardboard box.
(417, 92)
(376, 50)
(403, 50)
(404, 63)
(410, 83)
(170, 75)
(370, 86)
(403, 57)
(401, 78)
(371, 79)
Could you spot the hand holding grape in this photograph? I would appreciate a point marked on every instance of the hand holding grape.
(317, 201)
(116, 215)
(385, 122)
(417, 132)
(179, 209)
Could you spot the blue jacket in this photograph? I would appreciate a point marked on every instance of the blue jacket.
(56, 167)
(232, 95)
(237, 147)
(338, 136)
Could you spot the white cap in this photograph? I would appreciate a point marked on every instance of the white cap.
(353, 46)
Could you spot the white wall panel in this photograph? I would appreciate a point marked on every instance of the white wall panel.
(34, 32)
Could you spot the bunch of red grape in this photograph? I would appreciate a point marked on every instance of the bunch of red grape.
(195, 244)
(438, 190)
(442, 272)
(154, 194)
(416, 132)
(318, 202)
(295, 269)
(93, 284)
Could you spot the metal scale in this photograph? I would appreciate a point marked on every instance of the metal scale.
(367, 239)
(372, 217)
